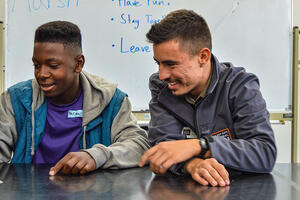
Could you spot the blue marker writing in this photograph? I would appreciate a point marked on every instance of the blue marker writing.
(150, 20)
(128, 19)
(128, 3)
(134, 48)
(37, 6)
(155, 3)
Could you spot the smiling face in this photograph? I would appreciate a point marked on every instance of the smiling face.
(56, 69)
(184, 73)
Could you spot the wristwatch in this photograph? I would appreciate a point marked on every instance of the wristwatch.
(204, 146)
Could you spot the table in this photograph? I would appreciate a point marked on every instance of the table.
(33, 182)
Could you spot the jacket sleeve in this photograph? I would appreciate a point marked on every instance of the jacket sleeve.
(8, 129)
(253, 149)
(129, 142)
(163, 125)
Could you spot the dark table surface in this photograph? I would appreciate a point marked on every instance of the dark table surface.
(33, 182)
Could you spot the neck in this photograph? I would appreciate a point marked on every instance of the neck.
(69, 96)
(205, 77)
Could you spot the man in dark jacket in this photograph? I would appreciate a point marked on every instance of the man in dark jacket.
(207, 118)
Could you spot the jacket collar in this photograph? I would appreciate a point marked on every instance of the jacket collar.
(178, 106)
(97, 94)
(184, 112)
(216, 68)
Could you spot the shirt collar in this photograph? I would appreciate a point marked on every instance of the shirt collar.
(193, 101)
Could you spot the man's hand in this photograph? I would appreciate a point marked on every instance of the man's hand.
(74, 163)
(165, 154)
(208, 171)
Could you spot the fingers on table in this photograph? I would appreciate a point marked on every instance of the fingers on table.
(73, 163)
(147, 155)
(211, 172)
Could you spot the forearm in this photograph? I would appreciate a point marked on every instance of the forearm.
(123, 154)
(129, 142)
(244, 155)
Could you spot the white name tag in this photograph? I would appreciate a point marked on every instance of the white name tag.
(74, 113)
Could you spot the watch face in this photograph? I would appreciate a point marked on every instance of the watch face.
(203, 145)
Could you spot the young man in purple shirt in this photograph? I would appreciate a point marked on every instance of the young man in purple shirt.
(66, 116)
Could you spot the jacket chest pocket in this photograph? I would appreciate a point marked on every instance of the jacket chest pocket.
(205, 129)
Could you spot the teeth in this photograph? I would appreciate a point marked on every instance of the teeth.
(47, 85)
(174, 83)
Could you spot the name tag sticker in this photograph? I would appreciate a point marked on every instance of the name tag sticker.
(74, 113)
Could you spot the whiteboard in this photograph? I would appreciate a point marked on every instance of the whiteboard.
(254, 34)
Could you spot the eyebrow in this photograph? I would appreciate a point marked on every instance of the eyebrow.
(48, 60)
(166, 61)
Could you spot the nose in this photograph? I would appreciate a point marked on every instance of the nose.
(42, 72)
(164, 73)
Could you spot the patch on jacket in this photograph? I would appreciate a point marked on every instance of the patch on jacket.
(223, 133)
(188, 132)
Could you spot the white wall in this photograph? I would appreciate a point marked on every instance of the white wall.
(2, 16)
(283, 132)
(296, 22)
(283, 141)
(296, 12)
(1, 10)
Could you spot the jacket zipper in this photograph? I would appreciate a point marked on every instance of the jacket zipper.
(195, 116)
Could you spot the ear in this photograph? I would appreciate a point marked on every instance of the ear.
(204, 56)
(79, 63)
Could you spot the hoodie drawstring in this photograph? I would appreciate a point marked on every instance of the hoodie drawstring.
(83, 137)
(32, 132)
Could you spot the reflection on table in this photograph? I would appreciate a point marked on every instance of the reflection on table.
(33, 182)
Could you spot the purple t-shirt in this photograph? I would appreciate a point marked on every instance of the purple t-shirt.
(62, 131)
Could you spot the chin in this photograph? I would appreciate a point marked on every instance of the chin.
(50, 94)
(178, 93)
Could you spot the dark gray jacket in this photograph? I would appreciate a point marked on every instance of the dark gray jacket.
(233, 112)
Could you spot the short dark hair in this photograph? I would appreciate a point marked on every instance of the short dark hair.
(187, 26)
(63, 32)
